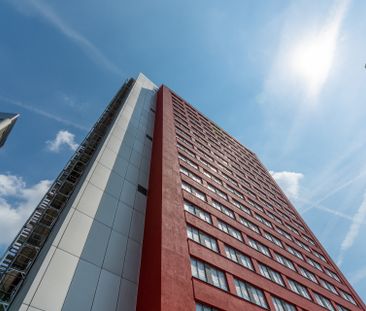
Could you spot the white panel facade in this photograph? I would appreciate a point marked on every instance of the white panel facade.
(93, 260)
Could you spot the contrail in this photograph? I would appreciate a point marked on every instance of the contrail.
(43, 113)
(45, 11)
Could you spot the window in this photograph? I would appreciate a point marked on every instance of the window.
(238, 257)
(234, 191)
(188, 173)
(208, 165)
(213, 177)
(223, 209)
(193, 191)
(202, 238)
(241, 206)
(229, 230)
(306, 238)
(183, 133)
(250, 293)
(142, 190)
(181, 147)
(263, 221)
(188, 161)
(341, 308)
(217, 191)
(332, 275)
(229, 179)
(324, 302)
(248, 224)
(275, 218)
(302, 245)
(271, 274)
(347, 296)
(273, 239)
(195, 210)
(314, 264)
(320, 256)
(284, 261)
(294, 252)
(259, 247)
(307, 274)
(208, 274)
(255, 205)
(281, 305)
(284, 233)
(328, 286)
(202, 307)
(292, 229)
(299, 289)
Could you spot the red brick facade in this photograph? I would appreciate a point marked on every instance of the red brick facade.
(236, 205)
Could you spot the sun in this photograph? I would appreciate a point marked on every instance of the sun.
(311, 60)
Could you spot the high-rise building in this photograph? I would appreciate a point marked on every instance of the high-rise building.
(160, 209)
(7, 121)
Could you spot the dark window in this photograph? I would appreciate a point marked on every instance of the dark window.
(142, 190)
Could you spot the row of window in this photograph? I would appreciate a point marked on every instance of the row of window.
(215, 137)
(247, 223)
(240, 258)
(255, 205)
(216, 277)
(235, 192)
(272, 192)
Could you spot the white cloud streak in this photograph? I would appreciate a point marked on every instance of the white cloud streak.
(353, 231)
(48, 14)
(17, 201)
(289, 182)
(63, 138)
(42, 113)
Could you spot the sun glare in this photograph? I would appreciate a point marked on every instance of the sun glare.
(311, 60)
(311, 57)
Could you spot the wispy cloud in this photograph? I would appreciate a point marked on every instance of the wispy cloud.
(353, 231)
(17, 201)
(44, 10)
(42, 112)
(358, 276)
(63, 138)
(289, 182)
(332, 192)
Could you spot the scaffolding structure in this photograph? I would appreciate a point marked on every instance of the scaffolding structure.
(23, 251)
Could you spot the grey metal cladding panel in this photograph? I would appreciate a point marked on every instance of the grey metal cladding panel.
(131, 267)
(96, 243)
(106, 295)
(105, 232)
(83, 286)
(127, 296)
(54, 286)
(115, 255)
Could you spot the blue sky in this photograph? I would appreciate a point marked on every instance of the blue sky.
(286, 78)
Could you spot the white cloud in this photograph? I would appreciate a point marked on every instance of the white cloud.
(17, 201)
(48, 14)
(62, 138)
(353, 231)
(289, 182)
